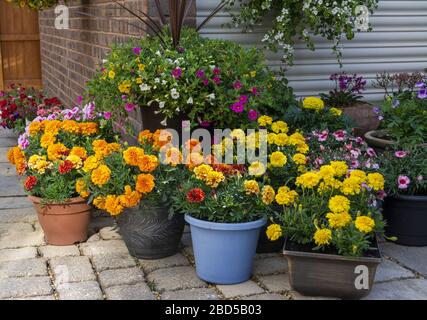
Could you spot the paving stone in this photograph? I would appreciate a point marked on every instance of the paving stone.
(188, 251)
(50, 251)
(267, 255)
(71, 269)
(23, 268)
(3, 154)
(175, 278)
(93, 238)
(412, 257)
(25, 287)
(80, 291)
(103, 247)
(17, 254)
(411, 289)
(113, 261)
(138, 291)
(18, 227)
(7, 169)
(11, 186)
(18, 240)
(270, 265)
(110, 233)
(389, 270)
(13, 202)
(35, 298)
(276, 282)
(298, 296)
(267, 296)
(241, 289)
(173, 261)
(17, 215)
(191, 294)
(116, 277)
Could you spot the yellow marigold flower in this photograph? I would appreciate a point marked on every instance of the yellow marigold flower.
(359, 175)
(339, 204)
(132, 155)
(172, 157)
(278, 159)
(138, 80)
(303, 148)
(299, 158)
(267, 194)
(274, 232)
(145, 183)
(364, 224)
(99, 202)
(252, 74)
(202, 171)
(308, 180)
(92, 162)
(88, 128)
(112, 205)
(39, 163)
(129, 198)
(283, 189)
(56, 151)
(279, 126)
(124, 86)
(214, 178)
(351, 186)
(256, 169)
(296, 139)
(79, 151)
(194, 159)
(322, 237)
(263, 121)
(251, 187)
(70, 126)
(376, 181)
(271, 138)
(141, 67)
(281, 139)
(148, 163)
(101, 148)
(340, 167)
(101, 175)
(286, 198)
(113, 147)
(338, 220)
(145, 136)
(81, 188)
(34, 128)
(335, 111)
(313, 103)
(111, 74)
(327, 172)
(52, 126)
(76, 160)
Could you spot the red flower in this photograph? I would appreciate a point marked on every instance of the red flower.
(30, 182)
(65, 167)
(195, 195)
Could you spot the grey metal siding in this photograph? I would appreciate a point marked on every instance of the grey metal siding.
(398, 43)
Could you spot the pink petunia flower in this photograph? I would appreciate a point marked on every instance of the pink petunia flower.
(200, 74)
(176, 73)
(371, 152)
(107, 115)
(216, 80)
(206, 82)
(340, 135)
(403, 182)
(237, 85)
(252, 115)
(129, 107)
(323, 136)
(400, 154)
(216, 71)
(254, 90)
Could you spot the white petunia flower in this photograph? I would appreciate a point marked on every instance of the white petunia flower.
(156, 80)
(174, 93)
(145, 87)
(162, 104)
(211, 96)
(190, 100)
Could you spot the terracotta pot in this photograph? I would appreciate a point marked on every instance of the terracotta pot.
(363, 117)
(63, 224)
(314, 273)
(377, 140)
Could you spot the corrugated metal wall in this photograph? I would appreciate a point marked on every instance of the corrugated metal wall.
(398, 43)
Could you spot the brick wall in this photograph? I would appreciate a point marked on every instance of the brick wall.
(70, 57)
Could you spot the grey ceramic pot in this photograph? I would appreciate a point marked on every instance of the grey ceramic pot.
(149, 233)
(330, 275)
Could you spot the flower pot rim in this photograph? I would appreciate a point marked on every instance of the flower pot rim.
(409, 197)
(225, 226)
(328, 256)
(68, 202)
(370, 135)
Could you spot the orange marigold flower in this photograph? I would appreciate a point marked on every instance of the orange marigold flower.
(30, 182)
(101, 175)
(34, 128)
(65, 167)
(193, 160)
(129, 198)
(51, 126)
(100, 147)
(47, 139)
(195, 195)
(81, 188)
(112, 205)
(144, 183)
(70, 126)
(99, 202)
(92, 162)
(56, 151)
(132, 155)
(17, 157)
(161, 138)
(113, 147)
(145, 137)
(88, 128)
(79, 151)
(148, 163)
(172, 157)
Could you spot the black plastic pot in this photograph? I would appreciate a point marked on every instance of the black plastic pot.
(313, 273)
(149, 233)
(406, 218)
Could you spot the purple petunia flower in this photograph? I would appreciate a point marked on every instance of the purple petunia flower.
(254, 90)
(422, 94)
(237, 107)
(181, 50)
(420, 85)
(137, 50)
(237, 85)
(129, 107)
(252, 115)
(216, 80)
(176, 73)
(395, 103)
(243, 99)
(107, 115)
(206, 82)
(124, 97)
(376, 110)
(200, 74)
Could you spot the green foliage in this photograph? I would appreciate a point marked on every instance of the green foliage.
(34, 4)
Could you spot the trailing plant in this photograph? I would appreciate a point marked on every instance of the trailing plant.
(294, 20)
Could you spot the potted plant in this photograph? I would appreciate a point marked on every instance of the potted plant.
(405, 206)
(347, 96)
(137, 192)
(395, 115)
(330, 224)
(225, 212)
(51, 156)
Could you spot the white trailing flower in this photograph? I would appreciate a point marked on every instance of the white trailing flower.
(145, 87)
(190, 100)
(211, 96)
(156, 80)
(162, 104)
(174, 93)
(164, 122)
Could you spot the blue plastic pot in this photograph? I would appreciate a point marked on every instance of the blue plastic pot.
(224, 252)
